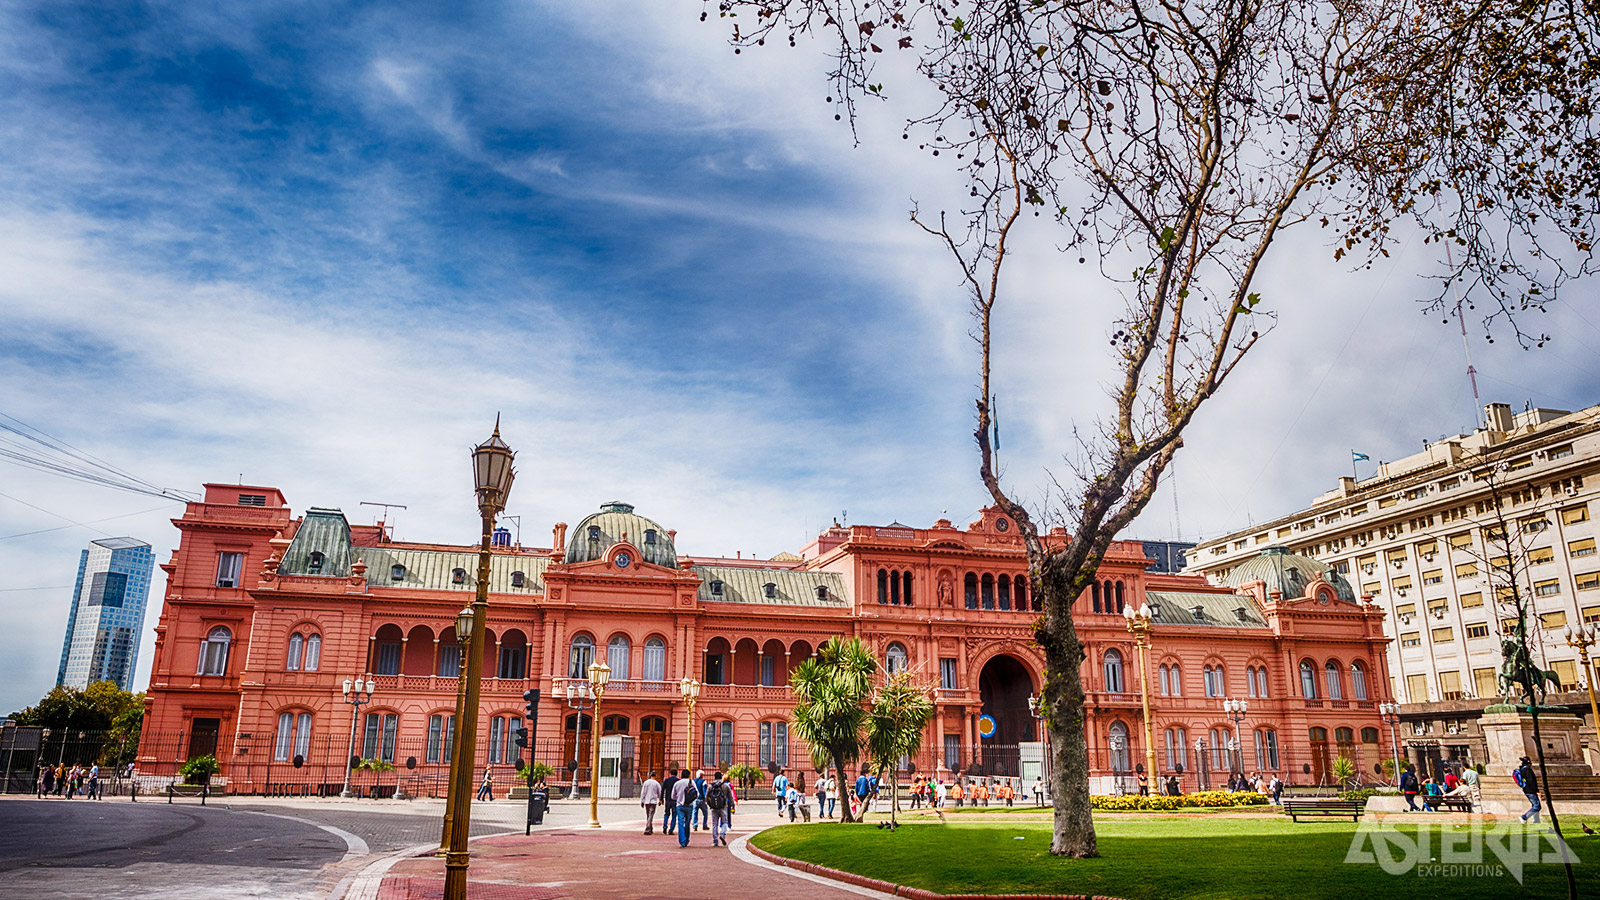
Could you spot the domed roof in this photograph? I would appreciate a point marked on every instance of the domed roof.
(1288, 572)
(615, 522)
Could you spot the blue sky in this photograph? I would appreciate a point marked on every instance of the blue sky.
(321, 246)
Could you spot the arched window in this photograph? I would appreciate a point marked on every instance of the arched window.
(1358, 680)
(617, 652)
(1114, 671)
(1344, 737)
(883, 586)
(313, 653)
(1119, 597)
(895, 658)
(1095, 590)
(441, 737)
(1177, 680)
(214, 651)
(513, 656)
(1221, 745)
(905, 588)
(716, 745)
(894, 588)
(1019, 587)
(1266, 748)
(774, 743)
(1369, 735)
(988, 591)
(1250, 681)
(518, 579)
(972, 591)
(1261, 682)
(649, 537)
(294, 736)
(1308, 679)
(1215, 685)
(1177, 748)
(1004, 592)
(1162, 679)
(655, 659)
(1335, 682)
(297, 648)
(579, 656)
(1120, 751)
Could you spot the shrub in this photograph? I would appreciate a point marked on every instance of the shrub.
(1198, 800)
(199, 770)
(1364, 793)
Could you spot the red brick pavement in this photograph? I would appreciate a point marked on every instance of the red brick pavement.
(613, 863)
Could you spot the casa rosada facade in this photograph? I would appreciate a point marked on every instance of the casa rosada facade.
(268, 614)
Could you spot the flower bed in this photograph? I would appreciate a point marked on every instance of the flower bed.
(1198, 800)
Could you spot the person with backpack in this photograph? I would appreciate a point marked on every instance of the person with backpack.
(684, 796)
(719, 801)
(1529, 782)
(669, 805)
(780, 789)
(1409, 786)
(700, 814)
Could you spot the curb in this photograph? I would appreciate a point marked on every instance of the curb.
(364, 884)
(898, 890)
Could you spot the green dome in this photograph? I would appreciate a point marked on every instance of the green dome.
(1288, 572)
(615, 522)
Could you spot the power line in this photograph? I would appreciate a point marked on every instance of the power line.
(35, 448)
(7, 537)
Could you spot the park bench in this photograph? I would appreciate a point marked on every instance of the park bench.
(1458, 803)
(1323, 807)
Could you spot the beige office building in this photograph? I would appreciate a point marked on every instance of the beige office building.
(1419, 538)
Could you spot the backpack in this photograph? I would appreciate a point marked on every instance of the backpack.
(1516, 775)
(717, 795)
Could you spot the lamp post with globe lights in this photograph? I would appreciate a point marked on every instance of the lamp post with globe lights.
(599, 677)
(492, 474)
(1583, 637)
(1139, 624)
(1236, 710)
(690, 689)
(1390, 713)
(355, 694)
(1036, 709)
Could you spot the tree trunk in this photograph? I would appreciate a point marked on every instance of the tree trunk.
(1549, 801)
(1069, 747)
(839, 790)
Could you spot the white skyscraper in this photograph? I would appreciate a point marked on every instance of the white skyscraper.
(107, 614)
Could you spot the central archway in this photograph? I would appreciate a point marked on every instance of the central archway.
(1004, 686)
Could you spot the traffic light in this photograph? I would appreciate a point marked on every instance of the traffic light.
(522, 737)
(532, 696)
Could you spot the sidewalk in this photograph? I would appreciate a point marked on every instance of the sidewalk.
(616, 862)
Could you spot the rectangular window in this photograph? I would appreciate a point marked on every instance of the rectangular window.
(514, 662)
(1485, 682)
(1479, 630)
(708, 745)
(1386, 502)
(1417, 688)
(1508, 625)
(1548, 588)
(1396, 556)
(388, 659)
(497, 739)
(1467, 570)
(252, 500)
(1450, 685)
(768, 671)
(1553, 619)
(1541, 555)
(228, 566)
(1372, 587)
(1572, 515)
(725, 746)
(1433, 576)
(1500, 563)
(1411, 639)
(449, 660)
(1581, 548)
(1403, 583)
(1406, 609)
(952, 750)
(1443, 635)
(947, 674)
(1438, 605)
(1567, 671)
(435, 735)
(1472, 600)
(1591, 613)
(280, 748)
(1461, 541)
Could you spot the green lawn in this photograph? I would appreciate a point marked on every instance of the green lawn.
(1147, 857)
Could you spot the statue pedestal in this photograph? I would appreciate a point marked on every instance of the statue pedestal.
(1508, 734)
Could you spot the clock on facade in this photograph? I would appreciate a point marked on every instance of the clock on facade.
(623, 560)
(1003, 524)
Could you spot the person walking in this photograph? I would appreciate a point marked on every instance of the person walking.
(47, 781)
(94, 782)
(1469, 781)
(958, 793)
(1529, 782)
(684, 796)
(780, 789)
(650, 798)
(1409, 786)
(669, 803)
(486, 789)
(822, 794)
(699, 814)
(1038, 791)
(719, 800)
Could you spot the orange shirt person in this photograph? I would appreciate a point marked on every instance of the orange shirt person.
(957, 793)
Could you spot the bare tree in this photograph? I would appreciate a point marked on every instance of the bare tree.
(1173, 143)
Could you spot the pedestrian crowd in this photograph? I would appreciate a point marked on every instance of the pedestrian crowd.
(689, 804)
(1457, 781)
(61, 780)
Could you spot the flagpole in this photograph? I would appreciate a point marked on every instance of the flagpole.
(1353, 474)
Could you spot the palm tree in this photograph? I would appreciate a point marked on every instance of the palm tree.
(833, 688)
(894, 728)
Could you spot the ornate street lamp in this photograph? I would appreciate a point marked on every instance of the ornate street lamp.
(579, 697)
(1583, 637)
(355, 694)
(492, 474)
(1036, 709)
(1139, 625)
(1236, 710)
(690, 689)
(1390, 713)
(599, 677)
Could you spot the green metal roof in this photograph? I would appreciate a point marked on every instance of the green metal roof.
(1287, 572)
(327, 532)
(1215, 610)
(789, 588)
(615, 522)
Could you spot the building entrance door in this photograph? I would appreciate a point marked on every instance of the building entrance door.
(652, 744)
(1004, 687)
(203, 737)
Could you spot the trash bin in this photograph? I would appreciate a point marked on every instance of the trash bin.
(538, 802)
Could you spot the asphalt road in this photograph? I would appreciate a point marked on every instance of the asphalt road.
(53, 849)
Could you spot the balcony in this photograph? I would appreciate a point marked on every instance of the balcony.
(625, 688)
(435, 684)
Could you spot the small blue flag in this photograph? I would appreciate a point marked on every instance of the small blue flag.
(1358, 457)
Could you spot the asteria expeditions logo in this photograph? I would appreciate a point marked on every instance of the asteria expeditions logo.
(1474, 851)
